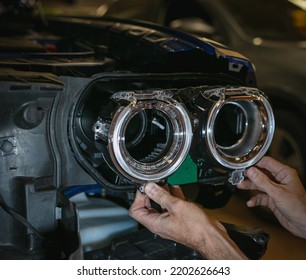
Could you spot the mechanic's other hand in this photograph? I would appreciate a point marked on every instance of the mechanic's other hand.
(282, 191)
(183, 222)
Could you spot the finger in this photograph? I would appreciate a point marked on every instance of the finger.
(246, 185)
(259, 200)
(273, 166)
(177, 191)
(139, 201)
(139, 210)
(260, 181)
(160, 196)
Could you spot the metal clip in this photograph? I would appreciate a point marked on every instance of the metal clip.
(142, 188)
(236, 177)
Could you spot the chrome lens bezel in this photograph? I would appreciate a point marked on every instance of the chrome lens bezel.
(160, 169)
(259, 127)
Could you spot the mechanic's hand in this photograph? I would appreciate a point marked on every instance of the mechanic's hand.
(283, 193)
(183, 222)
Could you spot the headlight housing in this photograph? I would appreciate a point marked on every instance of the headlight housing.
(148, 133)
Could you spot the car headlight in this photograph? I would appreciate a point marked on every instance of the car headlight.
(136, 136)
(236, 130)
(149, 135)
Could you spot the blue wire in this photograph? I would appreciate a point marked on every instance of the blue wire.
(93, 188)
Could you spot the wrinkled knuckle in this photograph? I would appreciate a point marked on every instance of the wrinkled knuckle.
(263, 179)
(162, 197)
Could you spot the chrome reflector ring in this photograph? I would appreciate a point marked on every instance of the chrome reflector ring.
(165, 157)
(254, 126)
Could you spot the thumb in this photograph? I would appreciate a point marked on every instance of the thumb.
(260, 180)
(159, 195)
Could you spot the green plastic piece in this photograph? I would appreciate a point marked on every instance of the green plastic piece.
(186, 173)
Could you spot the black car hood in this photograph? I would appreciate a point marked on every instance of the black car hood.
(71, 43)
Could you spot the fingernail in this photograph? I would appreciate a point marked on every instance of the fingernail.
(150, 188)
(252, 173)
